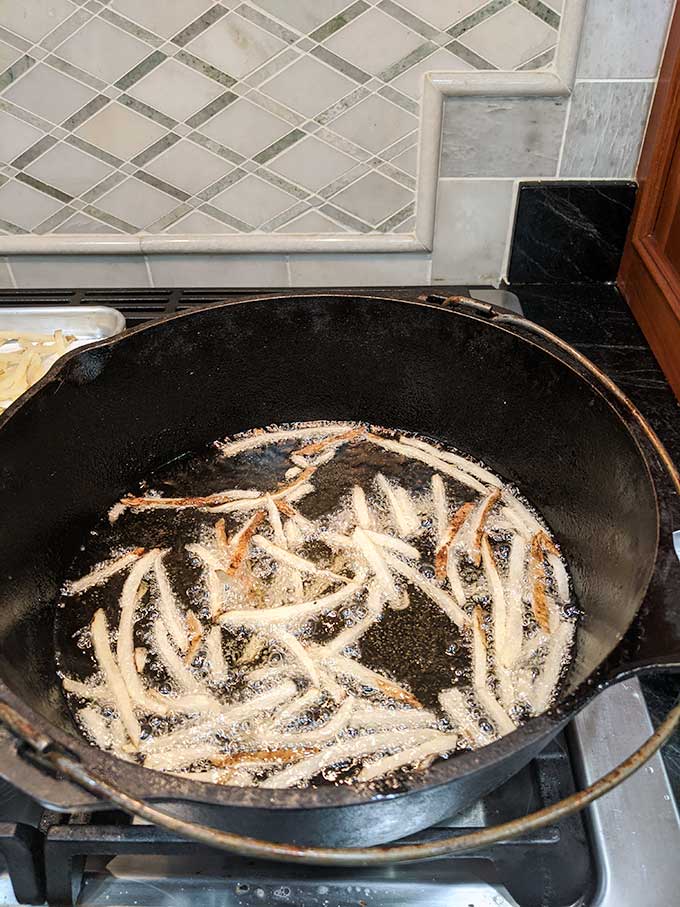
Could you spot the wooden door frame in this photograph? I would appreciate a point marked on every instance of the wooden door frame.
(646, 278)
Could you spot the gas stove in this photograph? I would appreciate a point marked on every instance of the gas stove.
(622, 851)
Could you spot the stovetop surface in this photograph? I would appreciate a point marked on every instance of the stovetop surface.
(558, 866)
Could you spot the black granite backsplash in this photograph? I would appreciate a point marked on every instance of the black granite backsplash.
(567, 232)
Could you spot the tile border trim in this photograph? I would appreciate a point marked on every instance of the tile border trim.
(558, 81)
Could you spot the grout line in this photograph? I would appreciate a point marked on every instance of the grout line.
(147, 265)
(611, 81)
(563, 142)
(289, 276)
(505, 266)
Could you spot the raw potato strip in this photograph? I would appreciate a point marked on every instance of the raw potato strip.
(522, 515)
(206, 727)
(544, 686)
(292, 615)
(180, 757)
(318, 735)
(241, 542)
(440, 508)
(103, 572)
(466, 465)
(214, 653)
(321, 460)
(209, 557)
(113, 677)
(369, 717)
(560, 577)
(477, 523)
(499, 615)
(103, 733)
(347, 667)
(336, 441)
(178, 670)
(392, 543)
(221, 539)
(441, 598)
(442, 554)
(125, 649)
(414, 453)
(297, 706)
(458, 712)
(437, 745)
(295, 490)
(351, 748)
(283, 556)
(360, 508)
(514, 615)
(403, 510)
(504, 724)
(167, 607)
(231, 448)
(299, 653)
(453, 576)
(141, 655)
(215, 589)
(99, 693)
(375, 561)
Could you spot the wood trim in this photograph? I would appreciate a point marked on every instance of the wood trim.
(648, 281)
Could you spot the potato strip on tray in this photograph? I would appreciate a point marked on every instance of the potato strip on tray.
(325, 603)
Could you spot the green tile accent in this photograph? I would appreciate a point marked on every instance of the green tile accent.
(347, 69)
(132, 28)
(539, 62)
(89, 110)
(169, 219)
(109, 182)
(203, 115)
(267, 24)
(278, 147)
(409, 19)
(183, 56)
(396, 97)
(65, 30)
(149, 112)
(151, 180)
(54, 221)
(198, 26)
(542, 11)
(469, 56)
(416, 55)
(475, 18)
(7, 226)
(215, 188)
(387, 226)
(275, 180)
(340, 21)
(33, 153)
(227, 219)
(43, 187)
(77, 142)
(211, 145)
(140, 70)
(14, 40)
(18, 68)
(109, 219)
(342, 217)
(75, 73)
(167, 141)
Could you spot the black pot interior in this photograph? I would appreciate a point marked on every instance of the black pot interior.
(114, 413)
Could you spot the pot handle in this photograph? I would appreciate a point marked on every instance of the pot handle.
(68, 766)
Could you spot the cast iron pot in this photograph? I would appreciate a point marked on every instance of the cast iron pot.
(477, 378)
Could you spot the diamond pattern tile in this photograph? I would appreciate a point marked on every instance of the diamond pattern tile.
(36, 19)
(103, 50)
(312, 164)
(236, 44)
(176, 90)
(49, 93)
(374, 41)
(137, 203)
(272, 112)
(308, 86)
(253, 201)
(189, 166)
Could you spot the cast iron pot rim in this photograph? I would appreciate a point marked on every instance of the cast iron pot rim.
(162, 786)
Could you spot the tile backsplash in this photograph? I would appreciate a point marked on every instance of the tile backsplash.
(290, 128)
